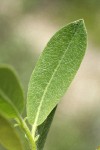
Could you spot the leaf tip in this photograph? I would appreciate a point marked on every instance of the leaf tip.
(80, 21)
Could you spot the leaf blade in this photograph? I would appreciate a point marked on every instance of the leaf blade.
(11, 95)
(8, 136)
(55, 70)
(6, 108)
(43, 130)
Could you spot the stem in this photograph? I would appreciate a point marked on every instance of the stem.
(28, 133)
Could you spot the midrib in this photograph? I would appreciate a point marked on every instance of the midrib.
(55, 70)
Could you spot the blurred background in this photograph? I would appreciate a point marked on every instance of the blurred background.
(25, 28)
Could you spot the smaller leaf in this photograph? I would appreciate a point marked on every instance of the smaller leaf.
(43, 130)
(6, 108)
(11, 94)
(8, 136)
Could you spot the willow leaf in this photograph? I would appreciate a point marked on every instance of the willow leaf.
(11, 95)
(55, 70)
(43, 130)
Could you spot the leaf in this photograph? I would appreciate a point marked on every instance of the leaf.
(8, 137)
(11, 95)
(43, 130)
(55, 70)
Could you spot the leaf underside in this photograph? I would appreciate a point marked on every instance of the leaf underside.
(43, 130)
(55, 70)
(11, 95)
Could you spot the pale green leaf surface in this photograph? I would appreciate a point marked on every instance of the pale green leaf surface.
(11, 95)
(8, 136)
(55, 70)
(43, 130)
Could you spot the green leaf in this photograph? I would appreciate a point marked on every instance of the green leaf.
(55, 70)
(43, 130)
(8, 136)
(11, 95)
